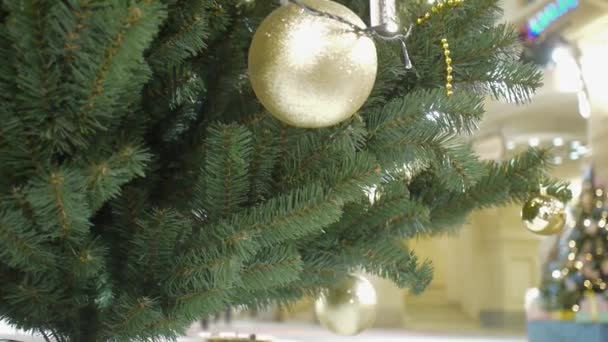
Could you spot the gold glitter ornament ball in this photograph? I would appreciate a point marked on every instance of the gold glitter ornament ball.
(310, 71)
(544, 215)
(349, 308)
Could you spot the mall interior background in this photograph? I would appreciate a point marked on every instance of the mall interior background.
(482, 274)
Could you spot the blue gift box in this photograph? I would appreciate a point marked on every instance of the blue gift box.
(554, 331)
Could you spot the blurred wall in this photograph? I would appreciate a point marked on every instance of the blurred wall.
(484, 270)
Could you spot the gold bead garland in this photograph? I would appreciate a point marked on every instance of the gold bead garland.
(441, 5)
(448, 63)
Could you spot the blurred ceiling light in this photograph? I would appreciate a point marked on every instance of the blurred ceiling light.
(534, 142)
(531, 297)
(561, 54)
(574, 156)
(510, 145)
(558, 160)
(558, 141)
(582, 150)
(575, 144)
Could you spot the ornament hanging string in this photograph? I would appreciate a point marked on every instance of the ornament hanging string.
(373, 31)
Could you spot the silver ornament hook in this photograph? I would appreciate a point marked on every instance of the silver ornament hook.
(383, 20)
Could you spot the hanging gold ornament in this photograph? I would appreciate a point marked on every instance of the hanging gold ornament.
(544, 215)
(349, 308)
(312, 71)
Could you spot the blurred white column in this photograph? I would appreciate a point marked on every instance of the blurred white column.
(595, 72)
(599, 144)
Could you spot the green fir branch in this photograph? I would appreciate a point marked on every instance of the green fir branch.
(224, 181)
(122, 54)
(58, 198)
(264, 158)
(106, 177)
(145, 186)
(129, 318)
(296, 214)
(153, 245)
(21, 248)
(272, 267)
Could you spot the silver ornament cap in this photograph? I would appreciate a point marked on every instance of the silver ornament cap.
(383, 16)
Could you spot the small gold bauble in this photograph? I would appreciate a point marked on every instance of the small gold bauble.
(449, 78)
(311, 71)
(420, 21)
(450, 69)
(448, 86)
(444, 40)
(446, 45)
(446, 52)
(440, 5)
(544, 215)
(434, 9)
(348, 308)
(427, 15)
(448, 61)
(450, 92)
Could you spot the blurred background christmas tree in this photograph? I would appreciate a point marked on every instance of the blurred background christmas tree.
(580, 264)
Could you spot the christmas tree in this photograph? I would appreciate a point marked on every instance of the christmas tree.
(580, 264)
(144, 186)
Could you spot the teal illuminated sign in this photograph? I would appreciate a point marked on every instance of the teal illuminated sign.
(548, 15)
